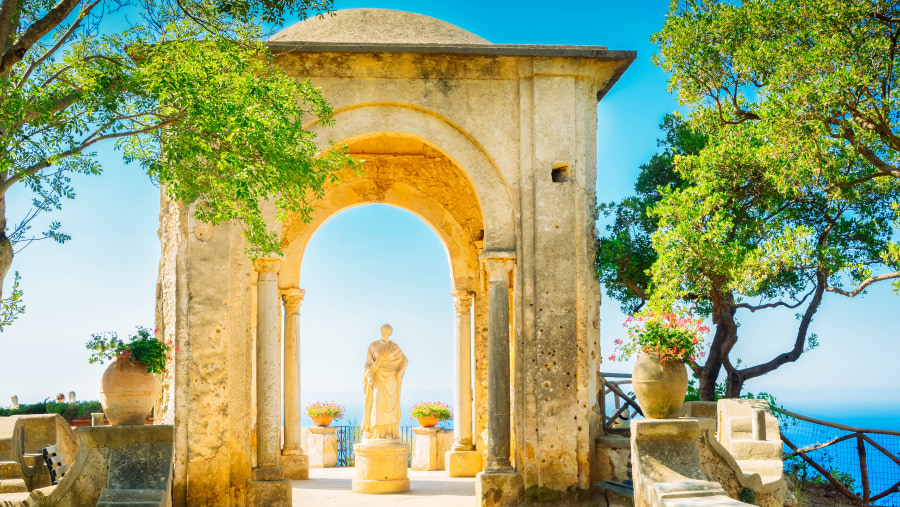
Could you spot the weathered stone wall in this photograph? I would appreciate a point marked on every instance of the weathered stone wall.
(494, 153)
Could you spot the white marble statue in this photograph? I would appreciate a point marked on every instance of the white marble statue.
(15, 403)
(385, 366)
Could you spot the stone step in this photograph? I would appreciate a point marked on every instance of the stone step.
(10, 470)
(132, 498)
(13, 486)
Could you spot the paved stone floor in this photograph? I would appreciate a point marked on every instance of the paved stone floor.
(331, 487)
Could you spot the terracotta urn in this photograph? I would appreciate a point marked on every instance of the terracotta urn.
(322, 420)
(428, 422)
(660, 386)
(127, 392)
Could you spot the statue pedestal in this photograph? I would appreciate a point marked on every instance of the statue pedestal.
(464, 463)
(381, 467)
(322, 447)
(429, 447)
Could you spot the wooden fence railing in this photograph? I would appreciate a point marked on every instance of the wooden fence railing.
(862, 437)
(622, 401)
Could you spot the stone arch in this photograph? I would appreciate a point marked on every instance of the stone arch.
(406, 171)
(495, 196)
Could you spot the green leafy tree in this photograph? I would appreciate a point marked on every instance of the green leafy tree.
(185, 88)
(808, 88)
(794, 194)
(723, 238)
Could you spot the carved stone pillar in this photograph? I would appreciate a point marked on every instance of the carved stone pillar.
(462, 399)
(267, 484)
(462, 460)
(293, 460)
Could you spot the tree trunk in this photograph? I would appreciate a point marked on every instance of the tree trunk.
(6, 249)
(709, 372)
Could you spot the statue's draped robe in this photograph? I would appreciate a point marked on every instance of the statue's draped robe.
(382, 411)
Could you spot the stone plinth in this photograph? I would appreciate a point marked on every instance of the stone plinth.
(296, 466)
(271, 493)
(429, 448)
(499, 489)
(464, 463)
(322, 447)
(381, 468)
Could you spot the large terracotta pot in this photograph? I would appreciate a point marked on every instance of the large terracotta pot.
(127, 392)
(659, 386)
(428, 422)
(322, 421)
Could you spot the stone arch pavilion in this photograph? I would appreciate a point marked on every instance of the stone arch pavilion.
(494, 146)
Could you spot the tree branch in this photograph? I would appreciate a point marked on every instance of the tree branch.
(7, 16)
(33, 33)
(62, 40)
(795, 352)
(43, 164)
(865, 283)
(754, 308)
(884, 169)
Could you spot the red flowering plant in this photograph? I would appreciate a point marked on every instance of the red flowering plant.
(669, 336)
(142, 347)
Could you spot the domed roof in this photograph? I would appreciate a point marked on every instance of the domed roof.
(379, 26)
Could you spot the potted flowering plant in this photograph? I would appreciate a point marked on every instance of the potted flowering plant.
(323, 412)
(128, 387)
(430, 413)
(663, 344)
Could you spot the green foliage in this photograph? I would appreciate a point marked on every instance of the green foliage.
(803, 474)
(325, 409)
(625, 256)
(797, 100)
(142, 346)
(184, 88)
(437, 409)
(667, 336)
(11, 307)
(80, 410)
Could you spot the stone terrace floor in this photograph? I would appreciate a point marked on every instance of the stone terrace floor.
(331, 487)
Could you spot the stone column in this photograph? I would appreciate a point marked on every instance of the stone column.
(498, 271)
(462, 399)
(499, 485)
(462, 460)
(293, 460)
(268, 485)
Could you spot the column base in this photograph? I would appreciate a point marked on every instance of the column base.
(499, 489)
(381, 468)
(464, 463)
(296, 466)
(268, 493)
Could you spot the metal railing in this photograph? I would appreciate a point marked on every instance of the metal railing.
(349, 435)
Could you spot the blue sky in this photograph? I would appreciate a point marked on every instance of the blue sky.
(376, 264)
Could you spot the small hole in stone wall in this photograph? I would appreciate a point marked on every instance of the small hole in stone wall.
(560, 172)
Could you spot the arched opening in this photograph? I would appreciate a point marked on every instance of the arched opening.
(366, 266)
(413, 264)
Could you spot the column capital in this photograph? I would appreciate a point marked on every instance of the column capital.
(268, 265)
(292, 299)
(498, 265)
(462, 301)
